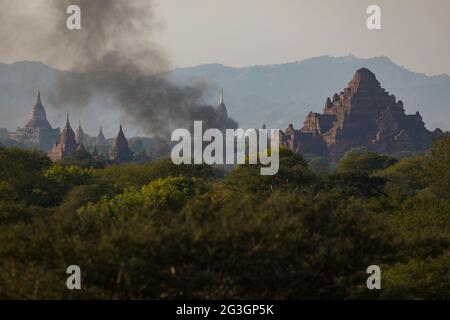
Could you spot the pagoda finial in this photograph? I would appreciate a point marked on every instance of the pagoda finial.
(67, 122)
(222, 98)
(38, 100)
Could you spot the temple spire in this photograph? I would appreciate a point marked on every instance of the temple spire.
(121, 131)
(120, 151)
(67, 144)
(38, 117)
(80, 133)
(101, 138)
(222, 101)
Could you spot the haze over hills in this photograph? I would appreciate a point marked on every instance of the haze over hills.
(285, 93)
(274, 94)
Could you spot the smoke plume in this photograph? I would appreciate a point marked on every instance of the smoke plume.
(113, 56)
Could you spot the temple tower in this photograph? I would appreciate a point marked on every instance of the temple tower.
(362, 115)
(80, 135)
(101, 141)
(222, 108)
(67, 144)
(37, 132)
(38, 116)
(224, 122)
(120, 151)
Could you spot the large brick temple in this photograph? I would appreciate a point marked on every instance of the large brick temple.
(362, 115)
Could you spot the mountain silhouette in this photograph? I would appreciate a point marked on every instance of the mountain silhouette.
(275, 95)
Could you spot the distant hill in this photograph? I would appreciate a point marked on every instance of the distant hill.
(274, 94)
(285, 93)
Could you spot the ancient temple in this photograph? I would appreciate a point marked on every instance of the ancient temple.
(222, 108)
(223, 120)
(100, 141)
(81, 136)
(120, 151)
(67, 145)
(362, 115)
(38, 132)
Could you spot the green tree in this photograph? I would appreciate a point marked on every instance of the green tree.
(354, 185)
(356, 161)
(293, 173)
(134, 175)
(438, 166)
(61, 179)
(422, 226)
(169, 193)
(82, 158)
(22, 171)
(321, 166)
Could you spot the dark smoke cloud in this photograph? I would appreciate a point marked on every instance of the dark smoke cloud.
(113, 55)
(115, 37)
(153, 103)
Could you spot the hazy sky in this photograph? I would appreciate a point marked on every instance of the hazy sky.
(247, 32)
(415, 33)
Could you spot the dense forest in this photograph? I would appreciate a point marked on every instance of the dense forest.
(160, 231)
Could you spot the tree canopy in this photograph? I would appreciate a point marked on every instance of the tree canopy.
(161, 231)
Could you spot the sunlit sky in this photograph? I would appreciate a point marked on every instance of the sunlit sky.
(414, 33)
(249, 32)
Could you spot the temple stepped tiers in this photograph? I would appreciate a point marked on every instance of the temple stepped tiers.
(362, 115)
(67, 144)
(38, 132)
